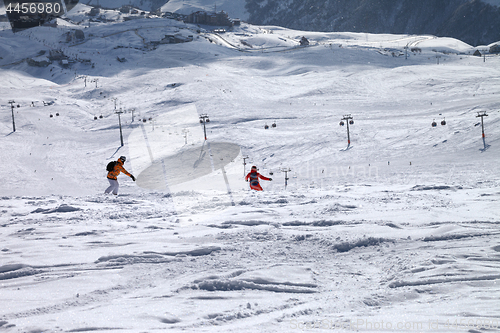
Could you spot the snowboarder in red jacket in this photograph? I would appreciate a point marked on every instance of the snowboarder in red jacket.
(254, 179)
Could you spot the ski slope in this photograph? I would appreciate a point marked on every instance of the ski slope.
(396, 232)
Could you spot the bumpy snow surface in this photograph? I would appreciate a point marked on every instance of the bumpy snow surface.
(396, 232)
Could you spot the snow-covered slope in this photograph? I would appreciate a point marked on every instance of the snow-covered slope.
(396, 231)
(235, 8)
(116, 4)
(472, 21)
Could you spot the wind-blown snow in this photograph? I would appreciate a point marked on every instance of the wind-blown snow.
(396, 232)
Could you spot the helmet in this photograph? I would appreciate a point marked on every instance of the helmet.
(123, 159)
(254, 167)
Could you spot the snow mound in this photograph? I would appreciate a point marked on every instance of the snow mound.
(435, 187)
(15, 271)
(370, 241)
(155, 257)
(60, 209)
(126, 259)
(280, 279)
(400, 284)
(454, 237)
(220, 285)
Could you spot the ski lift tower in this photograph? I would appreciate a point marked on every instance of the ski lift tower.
(204, 119)
(132, 110)
(11, 102)
(482, 114)
(245, 158)
(185, 131)
(286, 171)
(120, 124)
(349, 121)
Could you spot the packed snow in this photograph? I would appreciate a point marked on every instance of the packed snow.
(395, 232)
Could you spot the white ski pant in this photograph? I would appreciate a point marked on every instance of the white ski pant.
(113, 186)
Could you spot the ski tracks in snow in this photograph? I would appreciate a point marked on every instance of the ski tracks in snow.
(322, 254)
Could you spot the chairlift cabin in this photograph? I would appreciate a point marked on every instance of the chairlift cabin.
(351, 122)
(144, 120)
(266, 126)
(443, 122)
(51, 115)
(100, 117)
(57, 114)
(274, 124)
(95, 117)
(434, 124)
(341, 123)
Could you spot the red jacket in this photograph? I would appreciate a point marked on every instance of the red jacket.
(117, 169)
(254, 176)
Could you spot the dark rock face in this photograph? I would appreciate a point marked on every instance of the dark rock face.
(472, 21)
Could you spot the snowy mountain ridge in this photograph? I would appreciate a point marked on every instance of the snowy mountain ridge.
(396, 230)
(235, 8)
(473, 22)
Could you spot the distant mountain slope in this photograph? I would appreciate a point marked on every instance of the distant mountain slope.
(113, 4)
(492, 2)
(472, 21)
(235, 8)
